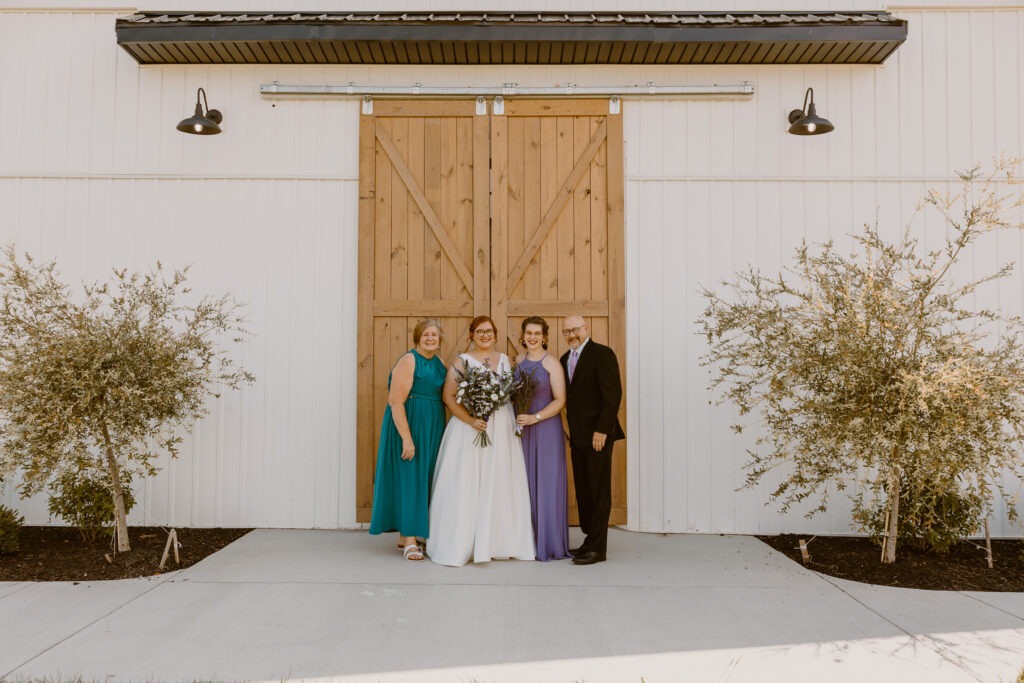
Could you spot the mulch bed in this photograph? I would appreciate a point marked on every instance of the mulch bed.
(49, 553)
(963, 568)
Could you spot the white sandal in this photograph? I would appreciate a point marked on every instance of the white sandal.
(413, 553)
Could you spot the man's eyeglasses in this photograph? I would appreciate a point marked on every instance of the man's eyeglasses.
(573, 330)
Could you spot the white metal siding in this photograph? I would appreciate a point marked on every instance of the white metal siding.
(100, 178)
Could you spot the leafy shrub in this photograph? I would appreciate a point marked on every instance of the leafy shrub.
(86, 501)
(933, 516)
(10, 528)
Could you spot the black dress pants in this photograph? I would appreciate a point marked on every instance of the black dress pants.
(592, 478)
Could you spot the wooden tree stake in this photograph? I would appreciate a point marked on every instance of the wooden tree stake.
(172, 541)
(988, 544)
(803, 551)
(885, 531)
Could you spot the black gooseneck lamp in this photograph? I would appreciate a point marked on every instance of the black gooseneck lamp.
(200, 123)
(806, 121)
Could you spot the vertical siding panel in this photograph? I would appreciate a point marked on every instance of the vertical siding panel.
(326, 358)
(772, 106)
(655, 129)
(698, 138)
(15, 78)
(911, 108)
(746, 124)
(981, 29)
(718, 470)
(753, 211)
(721, 135)
(670, 127)
(646, 435)
(959, 49)
(862, 124)
(699, 436)
(937, 89)
(841, 142)
(1008, 79)
(298, 447)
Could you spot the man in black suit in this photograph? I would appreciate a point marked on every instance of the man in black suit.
(594, 391)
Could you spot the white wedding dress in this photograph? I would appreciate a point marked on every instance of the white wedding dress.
(480, 501)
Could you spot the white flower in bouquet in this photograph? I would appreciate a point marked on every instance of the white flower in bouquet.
(482, 393)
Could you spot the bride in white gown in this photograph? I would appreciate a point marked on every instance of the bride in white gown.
(480, 500)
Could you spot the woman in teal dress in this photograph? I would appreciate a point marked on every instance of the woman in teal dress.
(409, 439)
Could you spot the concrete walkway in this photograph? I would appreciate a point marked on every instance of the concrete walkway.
(342, 605)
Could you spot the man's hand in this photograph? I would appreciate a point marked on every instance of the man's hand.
(599, 441)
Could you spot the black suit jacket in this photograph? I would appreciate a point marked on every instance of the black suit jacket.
(594, 394)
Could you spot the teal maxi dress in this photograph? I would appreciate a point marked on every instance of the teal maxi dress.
(401, 490)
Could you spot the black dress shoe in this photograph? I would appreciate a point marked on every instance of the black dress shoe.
(576, 552)
(589, 557)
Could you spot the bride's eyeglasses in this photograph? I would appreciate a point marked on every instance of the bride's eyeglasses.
(484, 333)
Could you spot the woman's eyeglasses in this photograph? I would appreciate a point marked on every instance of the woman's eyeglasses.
(484, 333)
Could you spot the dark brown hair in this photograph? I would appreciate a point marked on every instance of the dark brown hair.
(535, 320)
(477, 321)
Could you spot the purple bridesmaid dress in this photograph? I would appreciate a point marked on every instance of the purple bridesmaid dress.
(544, 451)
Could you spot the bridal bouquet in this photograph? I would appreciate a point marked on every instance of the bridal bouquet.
(522, 394)
(481, 392)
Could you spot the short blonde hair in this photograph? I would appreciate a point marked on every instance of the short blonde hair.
(421, 326)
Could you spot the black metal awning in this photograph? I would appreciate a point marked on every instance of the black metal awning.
(504, 38)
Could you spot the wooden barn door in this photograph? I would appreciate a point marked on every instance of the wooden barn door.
(423, 244)
(460, 214)
(557, 230)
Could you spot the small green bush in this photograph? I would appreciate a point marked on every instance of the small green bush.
(10, 528)
(933, 517)
(86, 501)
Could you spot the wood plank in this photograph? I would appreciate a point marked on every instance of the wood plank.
(515, 236)
(531, 202)
(560, 309)
(382, 229)
(514, 107)
(382, 362)
(617, 300)
(432, 258)
(414, 108)
(450, 284)
(400, 200)
(499, 227)
(563, 235)
(364, 317)
(558, 203)
(416, 222)
(481, 214)
(421, 308)
(599, 223)
(547, 260)
(465, 211)
(581, 219)
(443, 238)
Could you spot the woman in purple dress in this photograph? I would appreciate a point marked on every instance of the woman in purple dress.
(544, 442)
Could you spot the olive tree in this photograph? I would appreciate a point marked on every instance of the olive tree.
(871, 371)
(107, 380)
